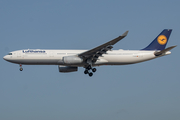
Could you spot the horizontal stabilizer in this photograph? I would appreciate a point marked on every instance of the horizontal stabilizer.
(164, 51)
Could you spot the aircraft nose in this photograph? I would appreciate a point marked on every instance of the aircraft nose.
(5, 57)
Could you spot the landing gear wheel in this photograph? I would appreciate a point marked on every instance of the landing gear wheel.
(89, 67)
(21, 69)
(94, 69)
(89, 70)
(90, 74)
(86, 72)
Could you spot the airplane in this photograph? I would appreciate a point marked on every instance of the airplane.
(70, 60)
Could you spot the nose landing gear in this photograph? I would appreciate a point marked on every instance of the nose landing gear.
(21, 69)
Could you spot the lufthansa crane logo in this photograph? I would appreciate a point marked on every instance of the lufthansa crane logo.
(162, 39)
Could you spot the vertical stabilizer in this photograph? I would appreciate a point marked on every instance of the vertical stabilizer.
(159, 43)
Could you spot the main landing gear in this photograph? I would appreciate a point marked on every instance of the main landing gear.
(21, 69)
(87, 70)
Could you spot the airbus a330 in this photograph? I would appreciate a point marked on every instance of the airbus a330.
(70, 60)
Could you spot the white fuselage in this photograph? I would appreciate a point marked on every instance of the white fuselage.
(55, 57)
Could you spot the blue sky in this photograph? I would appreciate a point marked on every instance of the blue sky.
(148, 90)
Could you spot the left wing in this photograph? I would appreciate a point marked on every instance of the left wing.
(94, 53)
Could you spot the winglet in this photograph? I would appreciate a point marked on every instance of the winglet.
(124, 34)
(164, 51)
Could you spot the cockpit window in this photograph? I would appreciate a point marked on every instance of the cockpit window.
(9, 53)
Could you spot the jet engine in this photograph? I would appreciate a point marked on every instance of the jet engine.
(72, 60)
(67, 69)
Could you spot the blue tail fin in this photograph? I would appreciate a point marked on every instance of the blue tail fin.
(159, 43)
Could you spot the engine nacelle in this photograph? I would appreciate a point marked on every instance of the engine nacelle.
(72, 60)
(67, 69)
